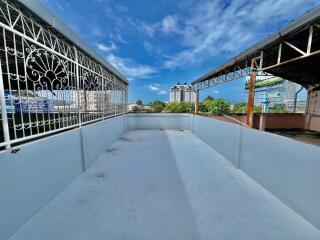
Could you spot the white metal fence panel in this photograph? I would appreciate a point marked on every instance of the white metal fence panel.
(48, 84)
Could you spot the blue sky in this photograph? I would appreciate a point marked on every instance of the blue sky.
(155, 44)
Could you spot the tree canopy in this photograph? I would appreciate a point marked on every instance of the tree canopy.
(157, 106)
(139, 102)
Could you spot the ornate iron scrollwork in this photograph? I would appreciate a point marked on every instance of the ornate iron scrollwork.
(91, 81)
(46, 70)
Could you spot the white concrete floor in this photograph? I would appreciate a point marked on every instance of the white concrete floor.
(165, 185)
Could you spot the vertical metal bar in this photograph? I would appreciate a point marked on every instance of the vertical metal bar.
(4, 116)
(102, 95)
(279, 53)
(310, 40)
(9, 81)
(78, 87)
(249, 120)
(114, 96)
(18, 84)
(261, 61)
(295, 99)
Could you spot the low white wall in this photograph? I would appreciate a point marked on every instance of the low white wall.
(287, 168)
(30, 178)
(145, 121)
(220, 135)
(97, 137)
(34, 175)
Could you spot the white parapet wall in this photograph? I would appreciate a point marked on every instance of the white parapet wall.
(287, 168)
(32, 176)
(144, 121)
(39, 170)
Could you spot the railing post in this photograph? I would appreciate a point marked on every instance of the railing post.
(78, 87)
(115, 96)
(103, 103)
(5, 125)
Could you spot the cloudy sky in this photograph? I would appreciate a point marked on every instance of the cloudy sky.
(156, 44)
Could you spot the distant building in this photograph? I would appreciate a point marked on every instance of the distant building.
(274, 92)
(300, 106)
(182, 93)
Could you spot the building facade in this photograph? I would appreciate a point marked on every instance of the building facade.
(274, 92)
(182, 93)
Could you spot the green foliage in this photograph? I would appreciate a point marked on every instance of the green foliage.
(139, 102)
(203, 107)
(278, 110)
(219, 106)
(209, 98)
(207, 102)
(157, 106)
(242, 108)
(176, 107)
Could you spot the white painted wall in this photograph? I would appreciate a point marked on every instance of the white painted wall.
(139, 121)
(287, 168)
(41, 169)
(30, 178)
(97, 137)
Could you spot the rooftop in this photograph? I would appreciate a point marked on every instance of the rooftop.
(174, 186)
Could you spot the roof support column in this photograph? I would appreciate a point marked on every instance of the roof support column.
(196, 109)
(249, 120)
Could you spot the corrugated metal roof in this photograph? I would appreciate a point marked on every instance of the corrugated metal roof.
(290, 29)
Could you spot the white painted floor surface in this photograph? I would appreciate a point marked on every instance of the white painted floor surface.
(165, 185)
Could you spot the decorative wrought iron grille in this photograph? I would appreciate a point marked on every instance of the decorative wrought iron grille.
(46, 83)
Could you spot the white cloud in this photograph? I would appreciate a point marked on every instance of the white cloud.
(96, 31)
(122, 8)
(214, 28)
(169, 24)
(147, 28)
(106, 48)
(130, 68)
(162, 92)
(155, 87)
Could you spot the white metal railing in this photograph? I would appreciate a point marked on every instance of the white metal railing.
(46, 83)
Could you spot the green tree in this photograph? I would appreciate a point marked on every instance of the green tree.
(139, 102)
(207, 102)
(281, 109)
(242, 108)
(203, 108)
(157, 106)
(209, 98)
(219, 106)
(176, 107)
